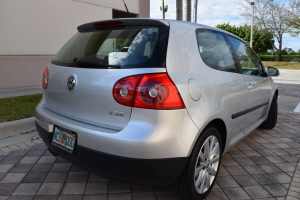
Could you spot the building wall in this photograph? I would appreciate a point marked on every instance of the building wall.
(32, 31)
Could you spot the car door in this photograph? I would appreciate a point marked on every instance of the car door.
(257, 83)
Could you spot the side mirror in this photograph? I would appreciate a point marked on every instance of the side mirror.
(272, 71)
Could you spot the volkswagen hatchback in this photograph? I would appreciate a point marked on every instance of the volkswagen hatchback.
(154, 102)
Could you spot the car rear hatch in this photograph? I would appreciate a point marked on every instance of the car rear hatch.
(83, 73)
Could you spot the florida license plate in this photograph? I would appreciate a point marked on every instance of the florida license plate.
(64, 139)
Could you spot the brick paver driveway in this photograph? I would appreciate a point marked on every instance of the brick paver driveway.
(262, 166)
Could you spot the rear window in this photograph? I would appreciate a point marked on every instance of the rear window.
(124, 47)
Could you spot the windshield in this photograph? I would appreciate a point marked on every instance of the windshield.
(126, 47)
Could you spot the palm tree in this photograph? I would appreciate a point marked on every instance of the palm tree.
(187, 10)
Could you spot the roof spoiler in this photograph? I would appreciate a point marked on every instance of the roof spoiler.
(121, 22)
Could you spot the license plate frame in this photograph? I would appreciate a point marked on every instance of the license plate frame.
(64, 139)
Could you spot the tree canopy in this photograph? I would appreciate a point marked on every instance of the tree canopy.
(261, 39)
(273, 16)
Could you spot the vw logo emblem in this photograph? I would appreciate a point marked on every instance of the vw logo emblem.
(71, 83)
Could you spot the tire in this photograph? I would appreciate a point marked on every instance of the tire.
(185, 187)
(272, 115)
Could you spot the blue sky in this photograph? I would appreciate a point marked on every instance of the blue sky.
(213, 12)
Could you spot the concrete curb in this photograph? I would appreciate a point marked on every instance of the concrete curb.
(17, 127)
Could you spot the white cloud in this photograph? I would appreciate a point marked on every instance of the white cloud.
(215, 12)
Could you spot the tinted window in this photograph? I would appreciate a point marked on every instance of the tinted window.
(215, 50)
(127, 47)
(250, 63)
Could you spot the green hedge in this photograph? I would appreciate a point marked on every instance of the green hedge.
(287, 58)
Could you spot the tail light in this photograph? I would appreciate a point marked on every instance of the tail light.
(45, 78)
(153, 91)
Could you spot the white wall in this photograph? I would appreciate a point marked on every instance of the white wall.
(43, 26)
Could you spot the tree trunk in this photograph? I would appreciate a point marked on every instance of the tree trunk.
(280, 48)
(179, 10)
(187, 10)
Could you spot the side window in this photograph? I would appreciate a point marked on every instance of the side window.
(215, 50)
(250, 63)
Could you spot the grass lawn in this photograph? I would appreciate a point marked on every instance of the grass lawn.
(282, 65)
(15, 108)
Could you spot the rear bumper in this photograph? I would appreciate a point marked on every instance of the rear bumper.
(130, 170)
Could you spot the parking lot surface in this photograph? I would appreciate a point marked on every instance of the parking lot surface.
(263, 166)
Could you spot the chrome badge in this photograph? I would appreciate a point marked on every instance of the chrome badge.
(71, 83)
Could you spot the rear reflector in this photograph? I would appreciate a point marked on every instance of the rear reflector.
(152, 91)
(45, 78)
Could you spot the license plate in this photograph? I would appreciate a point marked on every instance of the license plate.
(64, 139)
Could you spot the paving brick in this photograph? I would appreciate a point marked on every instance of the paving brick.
(29, 160)
(35, 152)
(244, 161)
(216, 194)
(56, 177)
(286, 167)
(275, 159)
(142, 188)
(2, 175)
(276, 190)
(257, 192)
(50, 189)
(76, 168)
(21, 168)
(254, 169)
(280, 152)
(61, 167)
(270, 168)
(294, 194)
(260, 160)
(223, 172)
(77, 177)
(144, 196)
(73, 188)
(10, 160)
(21, 197)
(94, 177)
(265, 152)
(95, 197)
(251, 153)
(13, 178)
(236, 154)
(226, 181)
(245, 180)
(227, 162)
(61, 160)
(236, 193)
(72, 197)
(264, 179)
(165, 195)
(27, 189)
(5, 167)
(34, 177)
(7, 188)
(117, 187)
(41, 168)
(45, 197)
(47, 153)
(47, 159)
(96, 187)
(236, 170)
(281, 177)
(41, 146)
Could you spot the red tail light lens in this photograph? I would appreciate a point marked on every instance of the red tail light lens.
(45, 78)
(153, 91)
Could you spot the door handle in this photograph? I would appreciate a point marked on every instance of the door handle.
(250, 86)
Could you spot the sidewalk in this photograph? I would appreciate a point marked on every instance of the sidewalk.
(5, 93)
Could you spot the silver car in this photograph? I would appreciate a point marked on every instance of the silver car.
(154, 102)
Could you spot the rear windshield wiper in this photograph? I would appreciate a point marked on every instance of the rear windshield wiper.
(95, 64)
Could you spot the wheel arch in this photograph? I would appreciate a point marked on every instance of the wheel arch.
(218, 124)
